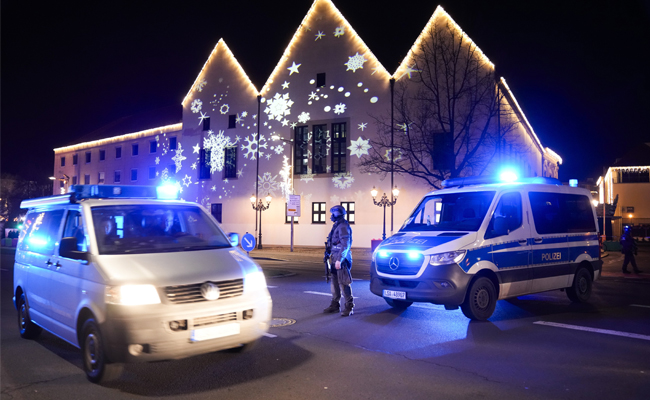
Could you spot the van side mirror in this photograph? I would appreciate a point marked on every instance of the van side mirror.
(68, 249)
(234, 238)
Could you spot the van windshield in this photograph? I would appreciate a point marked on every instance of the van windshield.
(155, 228)
(450, 212)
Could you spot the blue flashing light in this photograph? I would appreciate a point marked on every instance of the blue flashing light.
(37, 241)
(383, 254)
(413, 255)
(508, 175)
(167, 192)
(573, 182)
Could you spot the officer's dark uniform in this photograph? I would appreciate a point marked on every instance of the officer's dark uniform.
(628, 249)
(340, 242)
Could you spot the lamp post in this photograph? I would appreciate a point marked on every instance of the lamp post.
(260, 206)
(384, 202)
(64, 178)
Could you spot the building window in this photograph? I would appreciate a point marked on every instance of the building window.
(88, 157)
(74, 180)
(232, 121)
(319, 160)
(349, 208)
(118, 152)
(100, 178)
(152, 146)
(339, 146)
(152, 172)
(134, 174)
(63, 161)
(86, 179)
(318, 213)
(171, 170)
(116, 177)
(75, 159)
(134, 149)
(216, 211)
(320, 79)
(204, 164)
(301, 151)
(206, 124)
(230, 162)
(172, 143)
(102, 155)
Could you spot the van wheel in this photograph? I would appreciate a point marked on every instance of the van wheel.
(98, 369)
(398, 304)
(28, 329)
(580, 291)
(481, 300)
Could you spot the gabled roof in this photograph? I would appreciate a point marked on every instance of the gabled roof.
(638, 156)
(304, 26)
(221, 47)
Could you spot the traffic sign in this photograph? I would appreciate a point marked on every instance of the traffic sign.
(248, 242)
(293, 205)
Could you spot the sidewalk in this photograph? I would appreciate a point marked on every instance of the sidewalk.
(612, 261)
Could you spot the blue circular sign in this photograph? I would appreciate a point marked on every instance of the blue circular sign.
(248, 242)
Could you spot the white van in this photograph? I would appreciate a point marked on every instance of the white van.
(127, 277)
(475, 242)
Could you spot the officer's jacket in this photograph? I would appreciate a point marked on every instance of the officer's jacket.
(341, 241)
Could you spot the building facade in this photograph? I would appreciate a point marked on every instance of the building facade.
(305, 132)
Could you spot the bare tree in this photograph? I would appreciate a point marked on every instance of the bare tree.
(449, 117)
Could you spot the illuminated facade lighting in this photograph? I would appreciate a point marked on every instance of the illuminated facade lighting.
(521, 112)
(553, 155)
(121, 138)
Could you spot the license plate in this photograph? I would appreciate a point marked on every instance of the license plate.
(394, 294)
(215, 332)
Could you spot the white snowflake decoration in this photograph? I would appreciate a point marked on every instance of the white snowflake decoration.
(217, 144)
(187, 181)
(285, 173)
(359, 147)
(279, 149)
(334, 199)
(178, 158)
(250, 148)
(363, 126)
(343, 181)
(240, 173)
(355, 62)
(165, 175)
(339, 31)
(308, 176)
(319, 35)
(202, 117)
(339, 108)
(267, 184)
(279, 106)
(387, 155)
(200, 85)
(157, 160)
(224, 109)
(197, 104)
(303, 117)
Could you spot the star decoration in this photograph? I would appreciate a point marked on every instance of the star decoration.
(187, 180)
(197, 149)
(214, 188)
(178, 157)
(319, 35)
(363, 125)
(285, 85)
(202, 117)
(293, 125)
(194, 165)
(240, 173)
(359, 147)
(409, 71)
(285, 122)
(244, 114)
(294, 68)
(157, 160)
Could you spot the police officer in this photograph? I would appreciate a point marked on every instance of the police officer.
(339, 242)
(629, 250)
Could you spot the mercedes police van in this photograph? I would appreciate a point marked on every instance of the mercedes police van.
(127, 276)
(476, 241)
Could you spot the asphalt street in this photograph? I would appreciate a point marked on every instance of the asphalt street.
(534, 347)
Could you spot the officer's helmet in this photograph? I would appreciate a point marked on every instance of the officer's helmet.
(338, 210)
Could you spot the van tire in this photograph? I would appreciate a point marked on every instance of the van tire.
(398, 304)
(96, 365)
(481, 299)
(28, 329)
(580, 290)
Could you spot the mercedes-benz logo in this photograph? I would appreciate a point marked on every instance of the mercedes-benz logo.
(393, 263)
(210, 291)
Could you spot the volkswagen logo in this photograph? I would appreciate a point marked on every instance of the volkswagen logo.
(210, 291)
(393, 263)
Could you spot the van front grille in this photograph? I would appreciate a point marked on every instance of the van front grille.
(184, 294)
(214, 319)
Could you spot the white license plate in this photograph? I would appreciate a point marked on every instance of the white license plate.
(394, 294)
(215, 332)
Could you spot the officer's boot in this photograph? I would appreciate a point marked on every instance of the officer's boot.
(348, 310)
(334, 307)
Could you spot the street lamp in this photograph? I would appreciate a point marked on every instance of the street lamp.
(384, 202)
(65, 178)
(260, 206)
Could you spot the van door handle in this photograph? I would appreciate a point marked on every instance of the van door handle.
(539, 240)
(523, 242)
(58, 265)
(49, 263)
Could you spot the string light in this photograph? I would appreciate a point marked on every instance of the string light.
(121, 138)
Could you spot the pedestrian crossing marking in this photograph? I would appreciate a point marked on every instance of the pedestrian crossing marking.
(595, 330)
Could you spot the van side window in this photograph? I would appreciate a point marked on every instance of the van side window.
(41, 231)
(561, 213)
(74, 228)
(506, 217)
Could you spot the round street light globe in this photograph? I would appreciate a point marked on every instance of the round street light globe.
(373, 192)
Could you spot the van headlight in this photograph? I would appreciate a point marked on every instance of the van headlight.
(132, 295)
(255, 281)
(449, 257)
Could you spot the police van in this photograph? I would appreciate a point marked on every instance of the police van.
(128, 275)
(477, 241)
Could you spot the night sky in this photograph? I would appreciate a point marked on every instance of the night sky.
(579, 69)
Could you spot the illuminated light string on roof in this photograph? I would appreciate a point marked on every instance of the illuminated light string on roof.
(348, 28)
(554, 155)
(120, 138)
(214, 52)
(438, 13)
(609, 180)
(530, 127)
